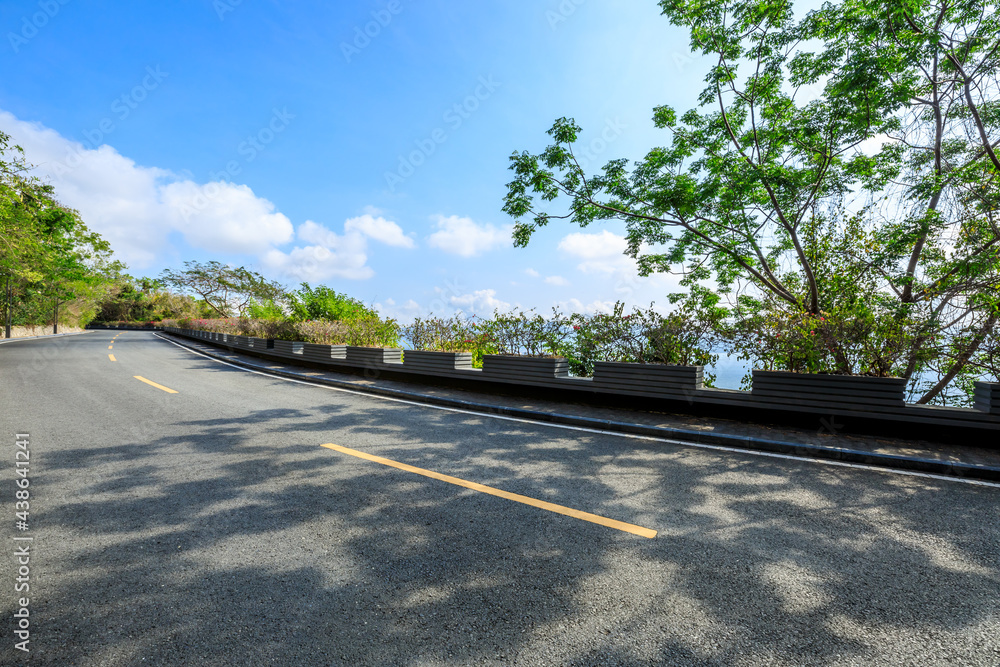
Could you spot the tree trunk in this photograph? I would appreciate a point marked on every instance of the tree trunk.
(7, 318)
(962, 360)
(55, 318)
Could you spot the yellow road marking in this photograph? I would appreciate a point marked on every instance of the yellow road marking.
(153, 384)
(112, 357)
(111, 347)
(559, 509)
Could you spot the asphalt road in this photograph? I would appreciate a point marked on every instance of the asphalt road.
(211, 527)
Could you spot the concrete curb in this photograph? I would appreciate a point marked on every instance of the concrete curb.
(886, 461)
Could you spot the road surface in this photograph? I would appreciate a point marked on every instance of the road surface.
(186, 512)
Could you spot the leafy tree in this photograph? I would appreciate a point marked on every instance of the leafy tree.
(19, 246)
(77, 261)
(144, 299)
(323, 303)
(865, 215)
(269, 310)
(227, 290)
(48, 256)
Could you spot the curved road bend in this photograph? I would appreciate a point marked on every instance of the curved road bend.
(195, 517)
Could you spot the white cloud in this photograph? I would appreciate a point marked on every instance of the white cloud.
(445, 303)
(480, 302)
(577, 306)
(319, 263)
(602, 255)
(225, 217)
(405, 313)
(327, 255)
(379, 229)
(136, 208)
(599, 253)
(332, 255)
(466, 238)
(551, 280)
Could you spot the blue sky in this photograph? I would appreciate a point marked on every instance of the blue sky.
(362, 145)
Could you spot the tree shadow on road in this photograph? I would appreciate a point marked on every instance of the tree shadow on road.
(242, 541)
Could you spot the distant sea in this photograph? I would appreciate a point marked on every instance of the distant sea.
(729, 371)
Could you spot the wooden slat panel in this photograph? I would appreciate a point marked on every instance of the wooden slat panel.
(843, 380)
(802, 391)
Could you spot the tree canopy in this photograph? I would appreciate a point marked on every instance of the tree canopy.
(228, 290)
(48, 255)
(853, 230)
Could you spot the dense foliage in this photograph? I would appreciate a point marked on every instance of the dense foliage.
(227, 290)
(145, 300)
(683, 337)
(363, 332)
(838, 184)
(52, 267)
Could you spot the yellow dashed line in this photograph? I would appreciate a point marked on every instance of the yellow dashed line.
(541, 504)
(153, 384)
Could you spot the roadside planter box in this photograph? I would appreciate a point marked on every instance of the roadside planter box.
(652, 380)
(321, 353)
(526, 370)
(282, 348)
(988, 397)
(374, 355)
(829, 391)
(431, 361)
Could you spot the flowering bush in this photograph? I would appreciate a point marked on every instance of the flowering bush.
(369, 331)
(642, 336)
(856, 341)
(686, 336)
(122, 323)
